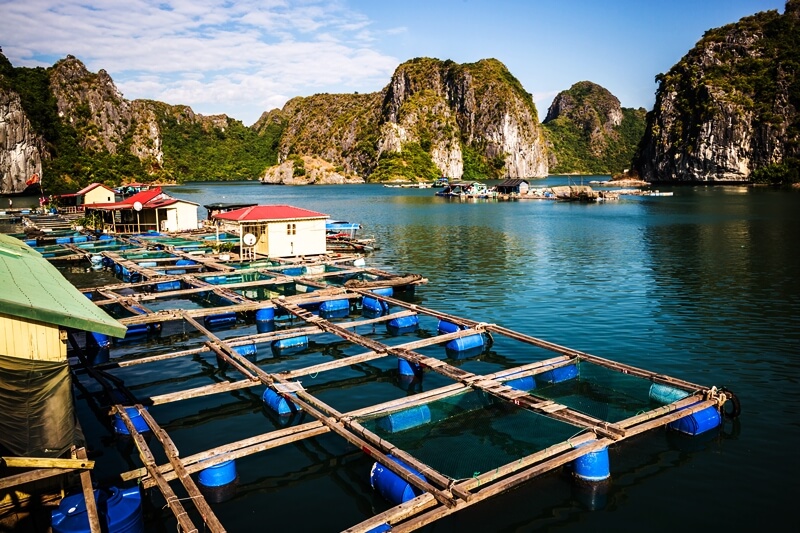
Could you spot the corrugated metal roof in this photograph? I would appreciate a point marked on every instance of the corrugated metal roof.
(269, 212)
(32, 288)
(512, 183)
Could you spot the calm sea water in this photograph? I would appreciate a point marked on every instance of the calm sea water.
(703, 285)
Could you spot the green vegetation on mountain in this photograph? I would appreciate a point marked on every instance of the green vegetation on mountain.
(590, 133)
(729, 110)
(197, 151)
(413, 163)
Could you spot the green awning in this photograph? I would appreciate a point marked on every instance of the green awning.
(32, 288)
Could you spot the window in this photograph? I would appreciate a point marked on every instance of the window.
(291, 229)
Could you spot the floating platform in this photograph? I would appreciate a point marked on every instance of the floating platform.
(270, 327)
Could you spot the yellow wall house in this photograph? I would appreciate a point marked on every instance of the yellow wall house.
(96, 193)
(38, 307)
(277, 230)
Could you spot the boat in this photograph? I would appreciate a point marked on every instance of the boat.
(341, 236)
(441, 182)
(464, 189)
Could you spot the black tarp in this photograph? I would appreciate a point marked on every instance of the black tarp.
(37, 415)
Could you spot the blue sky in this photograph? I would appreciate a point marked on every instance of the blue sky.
(244, 57)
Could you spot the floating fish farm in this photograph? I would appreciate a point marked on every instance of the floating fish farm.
(288, 333)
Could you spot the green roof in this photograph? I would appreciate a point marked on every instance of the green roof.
(34, 289)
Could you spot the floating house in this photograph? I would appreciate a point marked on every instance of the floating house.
(38, 310)
(276, 230)
(513, 186)
(150, 210)
(96, 193)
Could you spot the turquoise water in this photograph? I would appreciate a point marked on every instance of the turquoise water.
(702, 286)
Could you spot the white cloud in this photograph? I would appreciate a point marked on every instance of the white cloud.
(208, 54)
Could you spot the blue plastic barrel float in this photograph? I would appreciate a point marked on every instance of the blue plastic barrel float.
(165, 286)
(558, 375)
(119, 510)
(265, 319)
(98, 346)
(80, 238)
(218, 483)
(290, 345)
(391, 486)
(698, 422)
(137, 420)
(185, 262)
(372, 307)
(526, 383)
(403, 324)
(278, 403)
(223, 320)
(593, 466)
(63, 240)
(334, 308)
(406, 419)
(147, 264)
(404, 368)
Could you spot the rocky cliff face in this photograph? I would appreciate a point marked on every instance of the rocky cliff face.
(443, 107)
(730, 106)
(307, 170)
(589, 132)
(446, 107)
(92, 104)
(21, 149)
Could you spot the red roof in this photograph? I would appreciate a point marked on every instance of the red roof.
(92, 187)
(268, 212)
(144, 197)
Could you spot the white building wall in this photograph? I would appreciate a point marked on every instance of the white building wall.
(290, 238)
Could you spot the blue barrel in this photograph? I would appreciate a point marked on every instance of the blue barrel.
(224, 320)
(697, 423)
(384, 291)
(372, 307)
(557, 375)
(404, 368)
(278, 403)
(147, 264)
(138, 422)
(665, 394)
(63, 240)
(80, 238)
(119, 510)
(445, 327)
(405, 419)
(247, 350)
(168, 286)
(391, 486)
(380, 528)
(265, 319)
(334, 308)
(403, 324)
(176, 271)
(218, 475)
(593, 466)
(462, 344)
(527, 383)
(296, 271)
(30, 242)
(185, 262)
(290, 345)
(105, 237)
(136, 331)
(99, 346)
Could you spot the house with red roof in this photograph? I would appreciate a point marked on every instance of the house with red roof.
(150, 210)
(94, 193)
(275, 230)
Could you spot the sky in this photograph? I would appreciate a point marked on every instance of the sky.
(244, 57)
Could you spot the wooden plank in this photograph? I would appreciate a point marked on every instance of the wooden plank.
(88, 495)
(46, 462)
(210, 519)
(146, 455)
